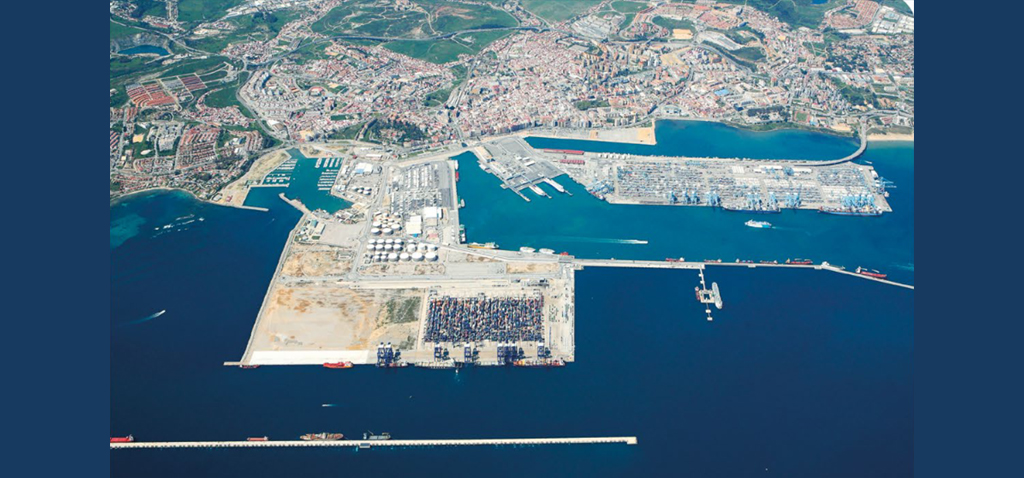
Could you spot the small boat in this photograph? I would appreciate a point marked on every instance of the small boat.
(759, 224)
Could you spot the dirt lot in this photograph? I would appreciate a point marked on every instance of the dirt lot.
(334, 318)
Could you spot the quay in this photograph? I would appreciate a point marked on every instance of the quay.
(376, 443)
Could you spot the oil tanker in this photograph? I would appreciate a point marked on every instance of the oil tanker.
(871, 273)
(338, 365)
(322, 436)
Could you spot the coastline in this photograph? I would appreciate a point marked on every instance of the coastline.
(119, 199)
(888, 137)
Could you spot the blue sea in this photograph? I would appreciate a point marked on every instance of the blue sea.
(803, 373)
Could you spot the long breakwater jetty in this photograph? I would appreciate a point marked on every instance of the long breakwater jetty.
(673, 264)
(376, 443)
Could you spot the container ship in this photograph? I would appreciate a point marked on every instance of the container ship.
(127, 439)
(871, 273)
(539, 363)
(758, 224)
(799, 262)
(752, 211)
(322, 436)
(838, 211)
(338, 365)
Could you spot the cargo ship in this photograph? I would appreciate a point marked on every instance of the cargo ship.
(338, 365)
(127, 439)
(539, 363)
(871, 273)
(837, 211)
(374, 437)
(759, 224)
(477, 245)
(257, 439)
(322, 436)
(769, 262)
(752, 211)
(248, 366)
(713, 261)
(799, 262)
(670, 259)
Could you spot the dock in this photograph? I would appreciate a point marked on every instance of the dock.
(376, 443)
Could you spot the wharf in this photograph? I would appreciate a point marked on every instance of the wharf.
(376, 443)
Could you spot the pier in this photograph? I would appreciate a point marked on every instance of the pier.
(581, 263)
(375, 443)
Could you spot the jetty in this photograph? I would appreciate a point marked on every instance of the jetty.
(375, 443)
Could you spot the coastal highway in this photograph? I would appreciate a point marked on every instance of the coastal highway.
(377, 443)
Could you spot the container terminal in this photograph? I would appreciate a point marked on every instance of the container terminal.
(391, 281)
(754, 186)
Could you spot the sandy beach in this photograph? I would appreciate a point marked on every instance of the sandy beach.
(234, 194)
(891, 137)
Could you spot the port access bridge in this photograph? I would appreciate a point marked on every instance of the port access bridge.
(375, 443)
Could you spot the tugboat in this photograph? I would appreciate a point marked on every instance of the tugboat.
(871, 273)
(322, 436)
(338, 365)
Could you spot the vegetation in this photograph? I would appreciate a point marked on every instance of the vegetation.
(349, 132)
(749, 53)
(120, 31)
(204, 10)
(557, 10)
(393, 131)
(259, 26)
(365, 17)
(673, 24)
(856, 96)
(149, 7)
(628, 7)
(798, 13)
(587, 104)
(434, 51)
(126, 65)
(401, 311)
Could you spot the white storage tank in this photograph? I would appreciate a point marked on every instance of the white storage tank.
(387, 231)
(393, 257)
(375, 231)
(431, 256)
(404, 256)
(416, 256)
